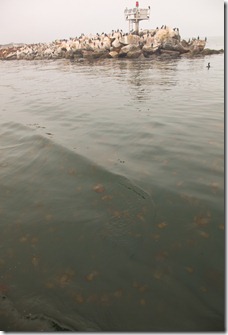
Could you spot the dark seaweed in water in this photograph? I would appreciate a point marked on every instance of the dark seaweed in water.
(85, 244)
(66, 209)
(11, 320)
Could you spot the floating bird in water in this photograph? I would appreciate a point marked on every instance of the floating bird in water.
(208, 66)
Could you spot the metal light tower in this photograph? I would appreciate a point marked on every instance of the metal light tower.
(135, 15)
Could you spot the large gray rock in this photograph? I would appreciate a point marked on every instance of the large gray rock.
(134, 53)
(173, 45)
(100, 53)
(185, 44)
(87, 54)
(170, 53)
(97, 53)
(197, 46)
(12, 55)
(149, 50)
(78, 54)
(129, 39)
(29, 56)
(113, 54)
(88, 47)
(128, 48)
(69, 54)
(116, 43)
(48, 52)
(206, 52)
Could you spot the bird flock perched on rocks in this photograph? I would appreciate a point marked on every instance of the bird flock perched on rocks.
(159, 42)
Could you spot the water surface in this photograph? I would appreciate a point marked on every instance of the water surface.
(112, 195)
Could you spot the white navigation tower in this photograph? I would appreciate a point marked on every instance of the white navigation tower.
(135, 15)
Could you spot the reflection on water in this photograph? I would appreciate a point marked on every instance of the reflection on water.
(111, 198)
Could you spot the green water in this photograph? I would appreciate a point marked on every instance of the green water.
(112, 195)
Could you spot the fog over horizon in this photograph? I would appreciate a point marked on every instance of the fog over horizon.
(34, 21)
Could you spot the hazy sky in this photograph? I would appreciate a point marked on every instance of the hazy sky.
(32, 21)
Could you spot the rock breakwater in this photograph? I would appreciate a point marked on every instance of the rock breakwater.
(153, 43)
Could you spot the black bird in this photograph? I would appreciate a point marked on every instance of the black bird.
(208, 66)
(198, 38)
(205, 39)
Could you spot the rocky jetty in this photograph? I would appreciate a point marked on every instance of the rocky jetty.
(162, 43)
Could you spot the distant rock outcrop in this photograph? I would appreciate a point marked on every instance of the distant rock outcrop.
(164, 42)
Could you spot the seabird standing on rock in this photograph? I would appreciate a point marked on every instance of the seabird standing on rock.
(205, 39)
(208, 66)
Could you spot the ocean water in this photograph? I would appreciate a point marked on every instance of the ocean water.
(112, 195)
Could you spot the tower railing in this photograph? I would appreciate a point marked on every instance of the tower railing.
(134, 15)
